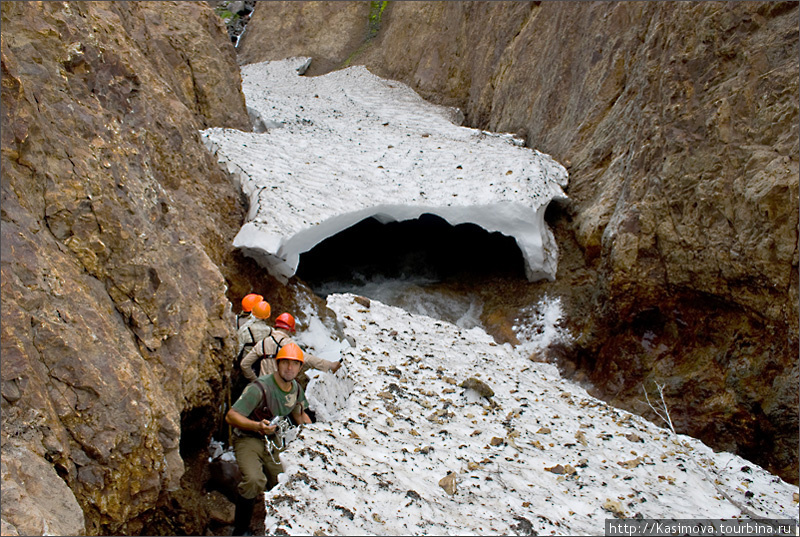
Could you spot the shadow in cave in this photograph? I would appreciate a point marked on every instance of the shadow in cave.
(427, 249)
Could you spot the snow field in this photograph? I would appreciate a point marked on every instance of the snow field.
(402, 423)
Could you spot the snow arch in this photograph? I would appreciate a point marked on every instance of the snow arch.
(348, 145)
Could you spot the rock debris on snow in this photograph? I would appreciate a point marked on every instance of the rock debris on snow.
(349, 145)
(399, 452)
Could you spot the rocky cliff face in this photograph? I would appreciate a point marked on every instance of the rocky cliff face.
(116, 233)
(679, 123)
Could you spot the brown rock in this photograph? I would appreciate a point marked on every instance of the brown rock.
(449, 483)
(35, 501)
(559, 469)
(220, 509)
(328, 32)
(614, 507)
(631, 464)
(478, 385)
(116, 331)
(364, 301)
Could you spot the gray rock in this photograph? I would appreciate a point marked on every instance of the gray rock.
(35, 500)
(301, 70)
(236, 7)
(256, 120)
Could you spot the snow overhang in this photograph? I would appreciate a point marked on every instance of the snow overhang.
(346, 146)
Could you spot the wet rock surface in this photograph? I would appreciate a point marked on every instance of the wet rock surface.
(678, 124)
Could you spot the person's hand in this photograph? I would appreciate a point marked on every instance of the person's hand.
(336, 367)
(265, 428)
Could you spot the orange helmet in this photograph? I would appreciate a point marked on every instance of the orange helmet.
(285, 321)
(262, 310)
(251, 300)
(290, 351)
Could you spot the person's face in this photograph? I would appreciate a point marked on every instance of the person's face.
(288, 369)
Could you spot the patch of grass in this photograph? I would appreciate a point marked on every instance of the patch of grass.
(375, 14)
(226, 16)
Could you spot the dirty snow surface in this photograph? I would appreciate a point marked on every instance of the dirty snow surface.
(349, 145)
(402, 448)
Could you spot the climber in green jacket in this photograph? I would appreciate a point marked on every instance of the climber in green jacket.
(260, 417)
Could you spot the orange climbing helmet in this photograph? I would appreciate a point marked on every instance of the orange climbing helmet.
(285, 321)
(262, 310)
(251, 300)
(290, 351)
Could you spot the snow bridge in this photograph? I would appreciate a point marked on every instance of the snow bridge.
(331, 151)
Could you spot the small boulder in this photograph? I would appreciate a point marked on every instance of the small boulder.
(449, 483)
(479, 386)
(614, 507)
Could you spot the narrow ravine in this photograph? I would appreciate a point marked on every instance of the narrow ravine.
(474, 306)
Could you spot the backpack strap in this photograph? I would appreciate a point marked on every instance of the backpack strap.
(262, 411)
(252, 337)
(278, 345)
(242, 352)
(263, 393)
(246, 346)
(256, 365)
(263, 354)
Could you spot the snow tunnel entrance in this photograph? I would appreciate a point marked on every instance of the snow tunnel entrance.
(427, 248)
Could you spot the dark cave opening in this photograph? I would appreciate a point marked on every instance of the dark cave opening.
(426, 248)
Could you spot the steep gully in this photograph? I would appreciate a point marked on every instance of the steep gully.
(481, 270)
(664, 292)
(156, 214)
(371, 252)
(485, 271)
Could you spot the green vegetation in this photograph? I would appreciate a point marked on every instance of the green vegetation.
(223, 13)
(375, 13)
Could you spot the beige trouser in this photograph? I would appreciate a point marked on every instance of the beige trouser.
(260, 463)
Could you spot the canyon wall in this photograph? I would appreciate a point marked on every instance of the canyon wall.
(117, 334)
(679, 125)
(678, 122)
